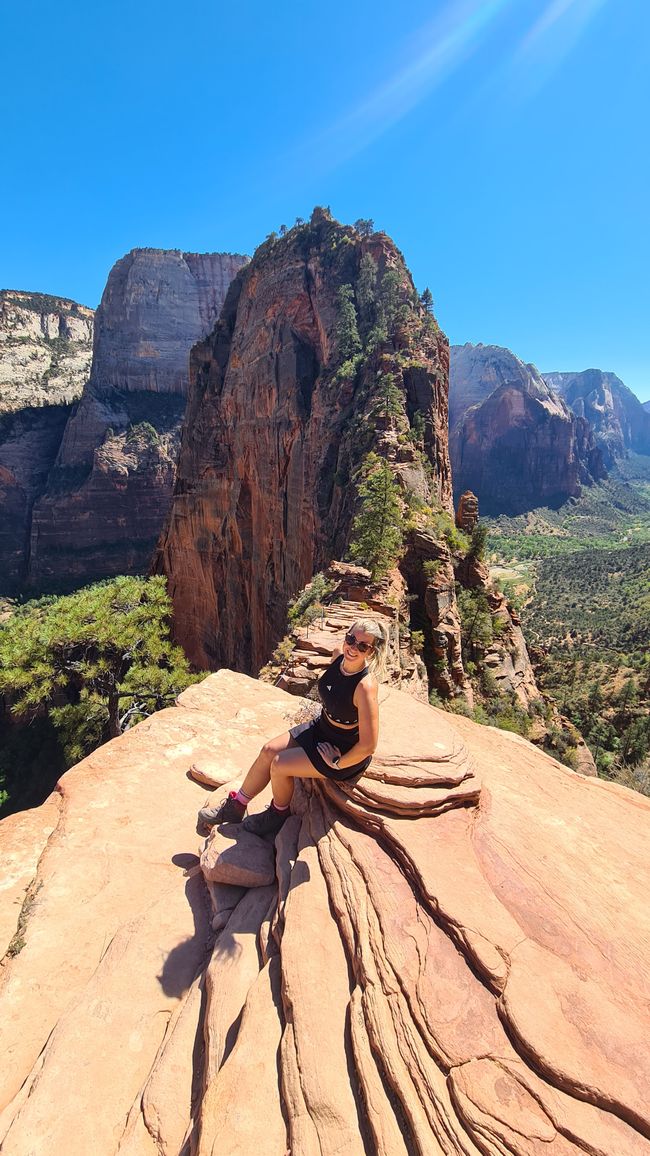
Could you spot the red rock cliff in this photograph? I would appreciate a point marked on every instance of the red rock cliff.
(277, 421)
(513, 441)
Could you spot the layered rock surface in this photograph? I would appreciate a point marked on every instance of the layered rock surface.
(278, 419)
(615, 414)
(45, 354)
(451, 957)
(109, 491)
(518, 445)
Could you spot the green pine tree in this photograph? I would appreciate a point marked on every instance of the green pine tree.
(366, 293)
(95, 662)
(377, 530)
(347, 331)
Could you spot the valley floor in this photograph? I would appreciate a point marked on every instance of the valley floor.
(580, 577)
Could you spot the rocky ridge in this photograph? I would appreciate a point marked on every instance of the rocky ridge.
(615, 414)
(45, 355)
(45, 350)
(321, 355)
(518, 445)
(475, 913)
(109, 490)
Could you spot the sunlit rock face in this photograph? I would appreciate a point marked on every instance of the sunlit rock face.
(449, 957)
(513, 441)
(45, 355)
(265, 491)
(615, 414)
(111, 484)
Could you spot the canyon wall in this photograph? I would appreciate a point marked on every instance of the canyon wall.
(518, 445)
(617, 417)
(284, 405)
(109, 490)
(45, 356)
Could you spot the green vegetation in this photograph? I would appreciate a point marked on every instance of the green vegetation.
(388, 400)
(308, 604)
(143, 431)
(347, 332)
(476, 626)
(616, 512)
(585, 607)
(377, 530)
(85, 667)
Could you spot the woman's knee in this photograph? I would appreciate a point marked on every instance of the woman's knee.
(275, 746)
(276, 764)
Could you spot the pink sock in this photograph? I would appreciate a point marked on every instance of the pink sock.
(241, 797)
(274, 804)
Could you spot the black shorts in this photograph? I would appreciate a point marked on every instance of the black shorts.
(309, 734)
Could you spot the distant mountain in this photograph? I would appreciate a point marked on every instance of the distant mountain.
(513, 441)
(109, 490)
(619, 420)
(646, 405)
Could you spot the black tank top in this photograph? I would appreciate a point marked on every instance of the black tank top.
(336, 691)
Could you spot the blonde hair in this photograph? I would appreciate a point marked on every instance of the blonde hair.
(378, 661)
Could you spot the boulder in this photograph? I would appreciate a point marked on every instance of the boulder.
(238, 857)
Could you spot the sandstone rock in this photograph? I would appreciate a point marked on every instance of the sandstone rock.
(467, 512)
(110, 489)
(513, 441)
(274, 504)
(24, 837)
(615, 414)
(238, 857)
(45, 352)
(468, 975)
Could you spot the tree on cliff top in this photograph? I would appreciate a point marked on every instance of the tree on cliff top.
(96, 661)
(377, 529)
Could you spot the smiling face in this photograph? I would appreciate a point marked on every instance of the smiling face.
(357, 652)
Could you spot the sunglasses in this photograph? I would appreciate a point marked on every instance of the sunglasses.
(362, 647)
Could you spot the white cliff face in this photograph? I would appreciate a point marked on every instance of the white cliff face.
(45, 349)
(156, 305)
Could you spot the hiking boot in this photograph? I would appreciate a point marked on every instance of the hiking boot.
(230, 811)
(267, 822)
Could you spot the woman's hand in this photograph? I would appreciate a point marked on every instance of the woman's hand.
(328, 754)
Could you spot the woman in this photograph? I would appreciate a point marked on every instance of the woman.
(337, 745)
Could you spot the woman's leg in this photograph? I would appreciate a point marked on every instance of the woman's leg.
(257, 778)
(286, 766)
(233, 809)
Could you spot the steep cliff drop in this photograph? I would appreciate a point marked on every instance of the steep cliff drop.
(321, 355)
(617, 416)
(45, 354)
(110, 488)
(513, 441)
(449, 958)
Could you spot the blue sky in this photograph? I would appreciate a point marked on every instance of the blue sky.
(503, 144)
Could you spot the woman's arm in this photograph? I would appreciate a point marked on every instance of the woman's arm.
(365, 700)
